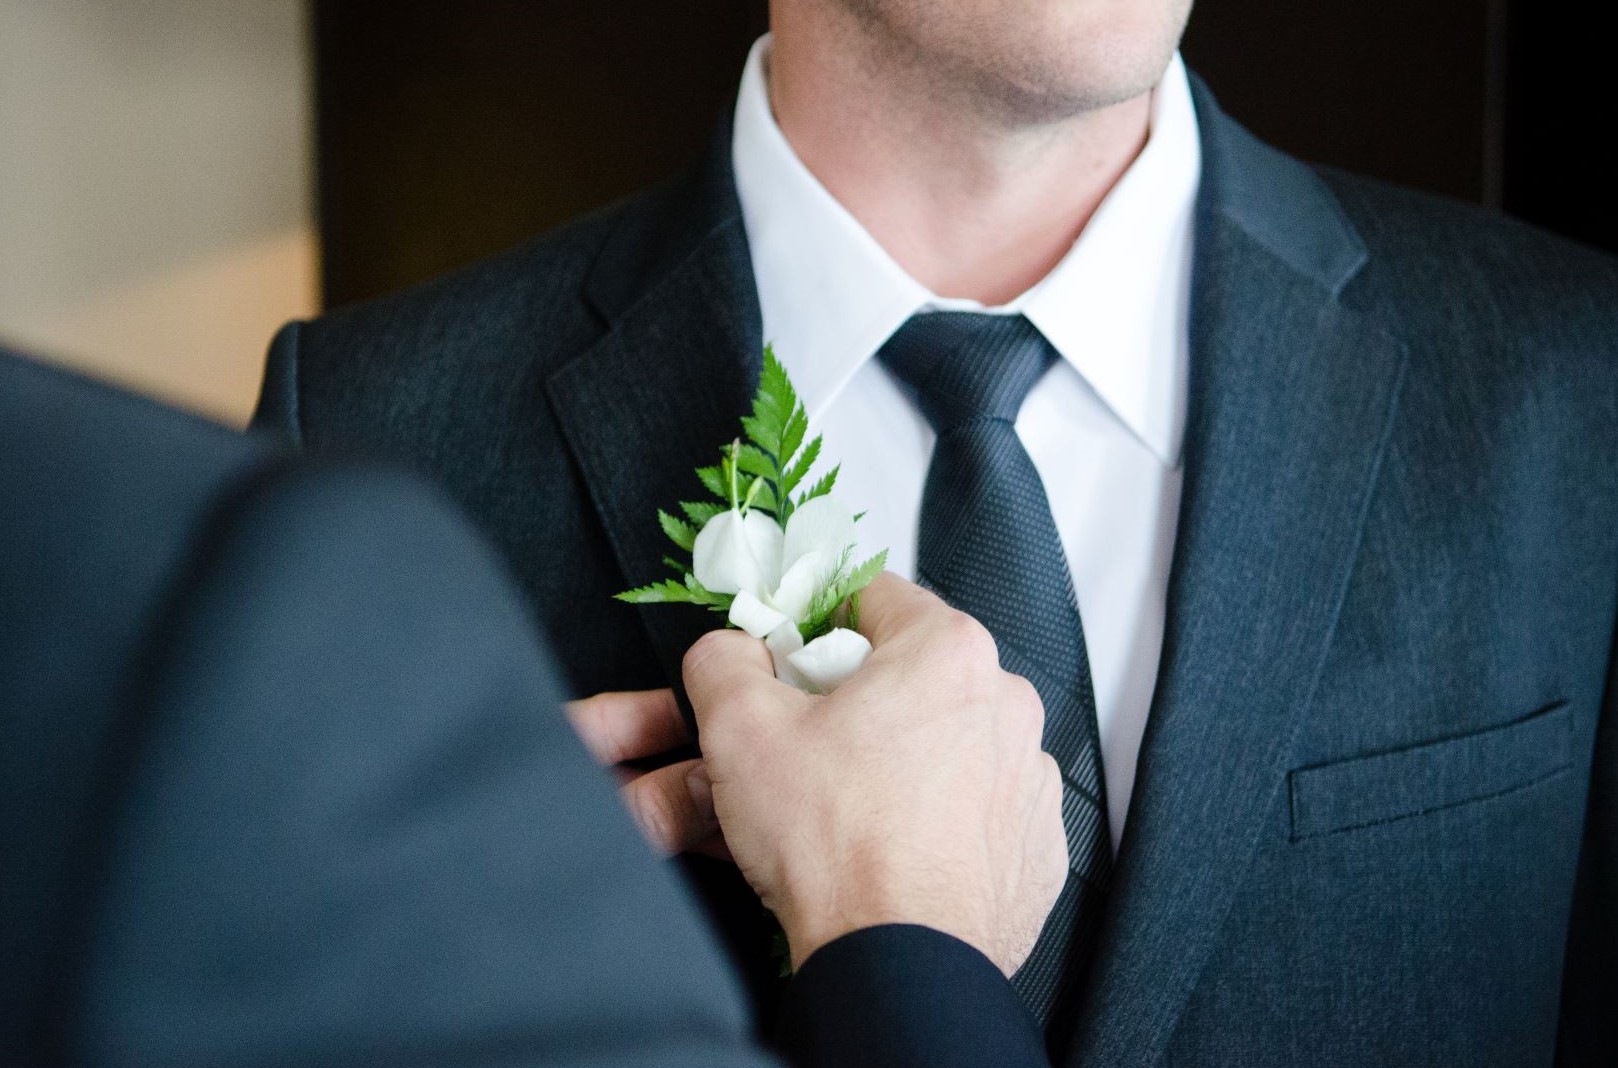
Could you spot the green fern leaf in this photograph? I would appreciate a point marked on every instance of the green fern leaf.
(820, 488)
(792, 437)
(844, 589)
(700, 512)
(682, 534)
(751, 460)
(763, 498)
(800, 468)
(774, 406)
(699, 594)
(714, 479)
(666, 592)
(863, 575)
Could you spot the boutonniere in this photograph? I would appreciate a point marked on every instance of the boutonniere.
(776, 560)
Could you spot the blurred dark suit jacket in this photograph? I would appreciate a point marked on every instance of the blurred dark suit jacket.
(284, 781)
(1375, 817)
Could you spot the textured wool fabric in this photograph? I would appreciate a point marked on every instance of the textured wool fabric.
(286, 780)
(989, 546)
(1396, 533)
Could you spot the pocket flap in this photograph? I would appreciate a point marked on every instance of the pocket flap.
(1363, 791)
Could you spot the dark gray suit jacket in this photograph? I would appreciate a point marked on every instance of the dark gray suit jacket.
(283, 781)
(1374, 819)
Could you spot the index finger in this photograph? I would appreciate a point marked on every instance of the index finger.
(628, 725)
(890, 604)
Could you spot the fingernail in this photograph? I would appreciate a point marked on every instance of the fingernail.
(701, 789)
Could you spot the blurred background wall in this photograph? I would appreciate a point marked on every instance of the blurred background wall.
(156, 213)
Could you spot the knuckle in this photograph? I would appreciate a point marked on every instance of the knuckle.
(1026, 696)
(968, 640)
(602, 735)
(1051, 773)
(702, 651)
(1027, 709)
(1051, 798)
(653, 812)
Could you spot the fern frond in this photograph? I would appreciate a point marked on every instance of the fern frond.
(820, 488)
(680, 533)
(699, 512)
(666, 592)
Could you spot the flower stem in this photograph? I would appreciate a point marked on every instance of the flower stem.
(735, 450)
(752, 494)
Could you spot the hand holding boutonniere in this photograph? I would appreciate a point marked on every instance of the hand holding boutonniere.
(777, 561)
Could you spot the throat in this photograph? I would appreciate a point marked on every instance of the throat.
(972, 213)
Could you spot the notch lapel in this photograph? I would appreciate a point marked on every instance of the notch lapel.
(653, 398)
(1291, 404)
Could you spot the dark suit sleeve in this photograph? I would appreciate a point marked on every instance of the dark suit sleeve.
(905, 995)
(358, 830)
(277, 410)
(1589, 1024)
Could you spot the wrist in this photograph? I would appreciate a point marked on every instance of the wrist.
(821, 923)
(812, 922)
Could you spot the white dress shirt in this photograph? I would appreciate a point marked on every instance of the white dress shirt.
(1103, 427)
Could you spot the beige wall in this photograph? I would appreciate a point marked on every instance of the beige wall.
(155, 204)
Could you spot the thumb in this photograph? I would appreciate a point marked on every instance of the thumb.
(727, 667)
(890, 605)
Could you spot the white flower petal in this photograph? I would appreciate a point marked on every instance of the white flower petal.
(754, 616)
(782, 643)
(830, 659)
(734, 552)
(823, 525)
(798, 586)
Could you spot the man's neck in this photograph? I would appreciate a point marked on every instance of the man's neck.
(972, 205)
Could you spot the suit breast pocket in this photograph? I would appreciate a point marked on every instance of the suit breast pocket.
(1365, 791)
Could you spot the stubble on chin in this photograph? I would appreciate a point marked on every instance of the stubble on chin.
(1008, 75)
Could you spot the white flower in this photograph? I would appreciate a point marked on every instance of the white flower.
(828, 661)
(738, 551)
(775, 576)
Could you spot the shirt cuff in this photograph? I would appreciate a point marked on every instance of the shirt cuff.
(899, 995)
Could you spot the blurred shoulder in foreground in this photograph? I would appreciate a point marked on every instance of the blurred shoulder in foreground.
(284, 779)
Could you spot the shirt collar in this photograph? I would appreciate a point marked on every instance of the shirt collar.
(1115, 307)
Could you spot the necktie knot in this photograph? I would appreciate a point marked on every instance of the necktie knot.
(968, 365)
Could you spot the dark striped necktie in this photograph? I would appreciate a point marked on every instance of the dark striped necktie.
(989, 547)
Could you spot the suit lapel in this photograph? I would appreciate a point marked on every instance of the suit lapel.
(1292, 395)
(655, 396)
